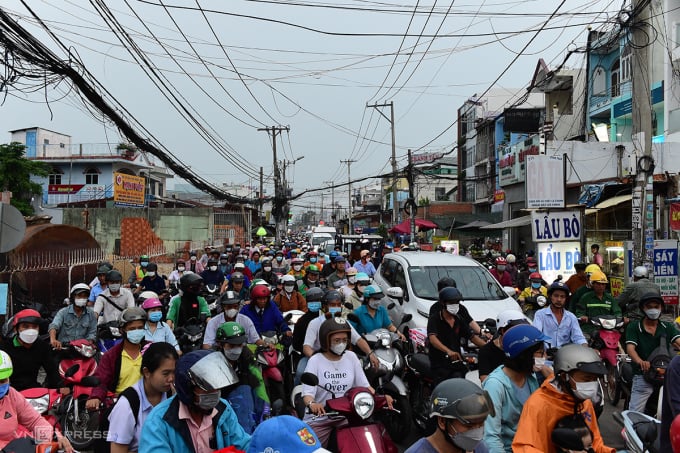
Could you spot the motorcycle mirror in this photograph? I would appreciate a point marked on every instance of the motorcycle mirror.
(288, 317)
(310, 379)
(354, 318)
(391, 306)
(73, 369)
(541, 301)
(406, 318)
(90, 381)
(567, 439)
(510, 291)
(348, 305)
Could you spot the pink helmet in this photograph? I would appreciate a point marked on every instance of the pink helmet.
(151, 302)
(501, 261)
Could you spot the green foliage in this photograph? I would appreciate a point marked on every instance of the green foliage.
(424, 201)
(382, 230)
(15, 176)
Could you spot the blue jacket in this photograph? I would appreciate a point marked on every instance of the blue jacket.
(163, 431)
(271, 318)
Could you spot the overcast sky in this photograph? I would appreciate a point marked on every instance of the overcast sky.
(314, 70)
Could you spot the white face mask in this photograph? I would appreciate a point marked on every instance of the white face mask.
(374, 304)
(29, 335)
(233, 354)
(297, 267)
(213, 268)
(267, 268)
(231, 313)
(80, 302)
(193, 258)
(288, 288)
(453, 308)
(586, 390)
(180, 268)
(351, 279)
(151, 274)
(114, 287)
(539, 362)
(653, 313)
(339, 348)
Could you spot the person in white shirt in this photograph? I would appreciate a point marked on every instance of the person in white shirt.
(231, 303)
(113, 300)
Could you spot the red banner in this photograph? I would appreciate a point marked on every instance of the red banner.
(66, 189)
(675, 216)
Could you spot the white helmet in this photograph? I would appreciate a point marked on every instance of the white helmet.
(79, 287)
(511, 258)
(287, 279)
(640, 272)
(510, 316)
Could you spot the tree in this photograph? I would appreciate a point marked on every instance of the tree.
(15, 176)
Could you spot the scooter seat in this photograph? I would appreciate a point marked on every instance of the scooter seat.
(421, 363)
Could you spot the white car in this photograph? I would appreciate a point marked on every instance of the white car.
(417, 274)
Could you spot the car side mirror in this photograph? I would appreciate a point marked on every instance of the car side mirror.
(397, 293)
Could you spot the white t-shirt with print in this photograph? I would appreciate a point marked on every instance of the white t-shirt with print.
(334, 376)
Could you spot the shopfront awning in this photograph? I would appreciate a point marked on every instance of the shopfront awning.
(512, 223)
(609, 203)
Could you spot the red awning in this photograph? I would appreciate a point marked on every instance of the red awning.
(405, 226)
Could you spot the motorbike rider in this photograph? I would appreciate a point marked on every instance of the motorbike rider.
(113, 300)
(176, 274)
(311, 279)
(557, 322)
(264, 313)
(194, 265)
(334, 335)
(364, 264)
(578, 279)
(510, 385)
(670, 407)
(153, 282)
(522, 280)
(372, 315)
(499, 272)
(225, 266)
(212, 275)
(196, 419)
(296, 268)
(240, 266)
(491, 355)
(285, 434)
(139, 272)
(596, 302)
(158, 374)
(312, 258)
(100, 284)
(643, 336)
(189, 304)
(120, 366)
(576, 295)
(266, 272)
(329, 267)
(348, 288)
(290, 298)
(338, 278)
(248, 397)
(155, 329)
(313, 301)
(511, 267)
(18, 413)
(254, 262)
(237, 283)
(568, 393)
(75, 321)
(356, 297)
(231, 304)
(460, 408)
(529, 295)
(279, 265)
(630, 296)
(29, 352)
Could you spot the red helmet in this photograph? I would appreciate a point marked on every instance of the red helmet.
(535, 276)
(500, 261)
(259, 291)
(28, 315)
(675, 434)
(312, 253)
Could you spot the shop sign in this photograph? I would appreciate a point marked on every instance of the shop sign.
(666, 269)
(128, 190)
(558, 258)
(615, 286)
(512, 164)
(453, 245)
(675, 216)
(498, 196)
(64, 189)
(556, 226)
(545, 187)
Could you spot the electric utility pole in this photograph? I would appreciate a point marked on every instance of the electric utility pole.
(332, 184)
(279, 203)
(260, 214)
(349, 198)
(395, 203)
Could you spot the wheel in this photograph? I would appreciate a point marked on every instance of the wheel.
(420, 406)
(81, 433)
(613, 389)
(398, 424)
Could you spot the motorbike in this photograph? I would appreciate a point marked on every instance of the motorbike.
(108, 335)
(46, 402)
(190, 335)
(361, 433)
(533, 304)
(640, 432)
(211, 293)
(291, 317)
(271, 358)
(606, 340)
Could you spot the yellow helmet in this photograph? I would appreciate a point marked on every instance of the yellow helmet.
(592, 268)
(598, 277)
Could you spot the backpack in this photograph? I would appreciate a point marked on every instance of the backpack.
(101, 445)
(658, 362)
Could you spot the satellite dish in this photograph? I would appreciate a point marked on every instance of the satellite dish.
(12, 227)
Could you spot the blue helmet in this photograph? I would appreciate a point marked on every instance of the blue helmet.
(520, 338)
(373, 292)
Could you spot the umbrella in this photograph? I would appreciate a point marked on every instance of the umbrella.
(405, 226)
(261, 232)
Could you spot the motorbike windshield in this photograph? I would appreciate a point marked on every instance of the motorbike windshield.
(213, 372)
(474, 282)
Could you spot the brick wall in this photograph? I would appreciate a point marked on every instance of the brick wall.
(136, 236)
(445, 208)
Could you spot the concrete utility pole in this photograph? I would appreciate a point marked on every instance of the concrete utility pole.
(261, 198)
(279, 203)
(643, 193)
(411, 197)
(332, 184)
(395, 203)
(349, 198)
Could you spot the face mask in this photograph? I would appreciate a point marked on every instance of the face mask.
(467, 440)
(4, 388)
(224, 262)
(288, 288)
(29, 335)
(453, 308)
(232, 354)
(155, 316)
(231, 313)
(351, 280)
(80, 302)
(279, 258)
(334, 310)
(114, 287)
(180, 268)
(193, 258)
(208, 401)
(500, 268)
(539, 362)
(535, 285)
(151, 274)
(135, 336)
(653, 313)
(586, 390)
(314, 306)
(267, 268)
(312, 260)
(144, 263)
(339, 348)
(374, 304)
(532, 269)
(297, 268)
(213, 268)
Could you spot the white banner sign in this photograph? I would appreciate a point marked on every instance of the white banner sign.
(556, 226)
(545, 182)
(558, 258)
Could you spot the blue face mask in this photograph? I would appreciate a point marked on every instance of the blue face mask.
(135, 336)
(312, 260)
(314, 306)
(334, 310)
(144, 263)
(155, 316)
(535, 285)
(4, 388)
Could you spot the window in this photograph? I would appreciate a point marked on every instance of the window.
(615, 78)
(599, 83)
(54, 178)
(626, 63)
(91, 176)
(440, 194)
(470, 152)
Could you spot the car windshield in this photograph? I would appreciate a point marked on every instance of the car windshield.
(474, 282)
(318, 240)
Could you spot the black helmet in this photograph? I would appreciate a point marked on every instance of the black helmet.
(462, 400)
(229, 298)
(648, 297)
(114, 276)
(331, 326)
(212, 262)
(153, 267)
(188, 280)
(103, 269)
(237, 277)
(450, 295)
(314, 294)
(332, 295)
(558, 286)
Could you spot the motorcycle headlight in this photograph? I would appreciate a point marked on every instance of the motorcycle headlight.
(608, 324)
(193, 338)
(364, 404)
(86, 350)
(40, 404)
(115, 331)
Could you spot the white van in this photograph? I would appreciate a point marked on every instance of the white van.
(321, 234)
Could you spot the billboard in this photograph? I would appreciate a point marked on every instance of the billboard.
(545, 187)
(522, 120)
(128, 190)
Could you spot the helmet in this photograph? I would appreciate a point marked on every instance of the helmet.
(445, 282)
(288, 279)
(231, 332)
(578, 357)
(237, 277)
(331, 296)
(675, 433)
(151, 302)
(351, 271)
(511, 258)
(205, 369)
(535, 276)
(339, 259)
(313, 253)
(312, 269)
(114, 276)
(212, 262)
(103, 269)
(144, 258)
(79, 288)
(5, 365)
(187, 280)
(648, 298)
(331, 326)
(640, 272)
(144, 295)
(314, 294)
(259, 291)
(592, 268)
(450, 294)
(363, 277)
(462, 400)
(296, 261)
(598, 277)
(153, 267)
(28, 315)
(500, 261)
(224, 256)
(517, 339)
(508, 318)
(131, 314)
(558, 286)
(373, 292)
(229, 298)
(531, 262)
(334, 254)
